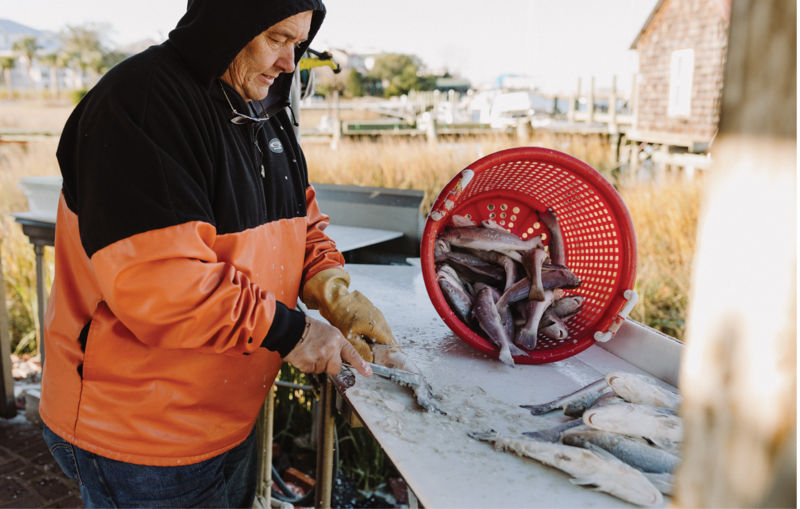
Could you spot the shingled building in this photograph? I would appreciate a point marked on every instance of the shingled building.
(682, 48)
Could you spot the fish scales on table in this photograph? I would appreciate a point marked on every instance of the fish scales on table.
(520, 269)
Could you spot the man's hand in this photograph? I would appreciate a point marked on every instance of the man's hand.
(350, 312)
(322, 349)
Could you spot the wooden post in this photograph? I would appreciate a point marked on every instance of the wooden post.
(8, 406)
(325, 445)
(337, 123)
(635, 102)
(590, 103)
(739, 369)
(612, 108)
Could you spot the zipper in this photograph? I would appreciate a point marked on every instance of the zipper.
(259, 163)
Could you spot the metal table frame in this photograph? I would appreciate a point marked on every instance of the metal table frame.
(40, 234)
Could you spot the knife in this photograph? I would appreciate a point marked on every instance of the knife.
(398, 376)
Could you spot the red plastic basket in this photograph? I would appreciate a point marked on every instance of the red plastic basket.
(511, 186)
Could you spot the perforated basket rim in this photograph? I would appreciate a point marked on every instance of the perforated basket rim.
(613, 201)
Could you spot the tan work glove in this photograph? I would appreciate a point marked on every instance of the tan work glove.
(350, 312)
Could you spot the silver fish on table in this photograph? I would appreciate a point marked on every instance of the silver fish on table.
(391, 356)
(527, 336)
(657, 425)
(576, 407)
(665, 483)
(488, 239)
(532, 261)
(596, 386)
(586, 467)
(641, 390)
(553, 434)
(635, 452)
(495, 327)
(556, 246)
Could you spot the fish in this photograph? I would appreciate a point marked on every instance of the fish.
(528, 334)
(488, 239)
(504, 261)
(595, 386)
(657, 425)
(460, 301)
(576, 407)
(556, 246)
(554, 331)
(532, 261)
(460, 221)
(440, 247)
(391, 356)
(586, 467)
(566, 307)
(635, 452)
(472, 267)
(551, 279)
(491, 223)
(665, 483)
(552, 326)
(553, 434)
(496, 327)
(641, 390)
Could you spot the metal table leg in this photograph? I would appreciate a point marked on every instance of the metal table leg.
(41, 296)
(325, 444)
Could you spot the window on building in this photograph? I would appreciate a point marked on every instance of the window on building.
(680, 83)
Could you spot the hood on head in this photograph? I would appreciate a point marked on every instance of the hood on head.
(213, 32)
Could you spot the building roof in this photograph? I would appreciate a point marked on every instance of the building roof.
(724, 7)
(646, 25)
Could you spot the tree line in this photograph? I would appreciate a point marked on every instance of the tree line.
(392, 74)
(84, 49)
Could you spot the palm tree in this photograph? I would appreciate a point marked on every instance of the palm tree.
(54, 61)
(6, 64)
(84, 44)
(26, 47)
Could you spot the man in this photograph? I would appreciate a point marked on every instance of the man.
(186, 230)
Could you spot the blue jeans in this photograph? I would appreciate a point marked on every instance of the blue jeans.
(227, 480)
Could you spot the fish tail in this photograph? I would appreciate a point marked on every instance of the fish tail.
(518, 352)
(527, 339)
(505, 356)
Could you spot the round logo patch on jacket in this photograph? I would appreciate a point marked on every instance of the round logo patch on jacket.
(275, 145)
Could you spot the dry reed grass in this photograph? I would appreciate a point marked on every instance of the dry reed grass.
(18, 259)
(665, 218)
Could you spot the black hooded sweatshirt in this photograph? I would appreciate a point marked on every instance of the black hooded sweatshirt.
(179, 235)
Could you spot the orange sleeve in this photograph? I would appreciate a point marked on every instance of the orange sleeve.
(321, 252)
(169, 289)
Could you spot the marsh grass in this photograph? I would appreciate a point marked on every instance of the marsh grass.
(665, 218)
(19, 260)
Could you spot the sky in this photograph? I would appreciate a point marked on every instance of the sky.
(555, 41)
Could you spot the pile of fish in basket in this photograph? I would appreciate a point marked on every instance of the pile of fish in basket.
(511, 288)
(624, 441)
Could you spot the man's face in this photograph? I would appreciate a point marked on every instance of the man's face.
(272, 52)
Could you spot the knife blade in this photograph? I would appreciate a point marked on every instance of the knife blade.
(396, 375)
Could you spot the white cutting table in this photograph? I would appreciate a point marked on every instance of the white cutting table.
(440, 463)
(348, 238)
